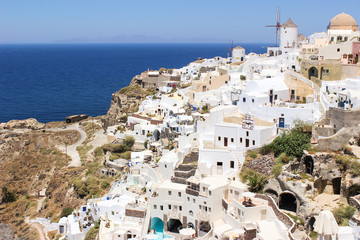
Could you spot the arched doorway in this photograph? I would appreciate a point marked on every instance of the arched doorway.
(278, 52)
(336, 182)
(271, 53)
(313, 72)
(309, 165)
(288, 201)
(353, 191)
(310, 224)
(157, 224)
(204, 227)
(272, 193)
(191, 225)
(174, 225)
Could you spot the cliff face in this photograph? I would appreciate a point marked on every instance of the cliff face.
(124, 101)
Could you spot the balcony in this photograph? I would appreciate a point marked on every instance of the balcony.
(203, 216)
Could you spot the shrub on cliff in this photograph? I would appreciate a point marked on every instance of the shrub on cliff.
(293, 143)
(7, 196)
(343, 214)
(66, 212)
(253, 179)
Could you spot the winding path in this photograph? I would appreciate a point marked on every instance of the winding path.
(71, 149)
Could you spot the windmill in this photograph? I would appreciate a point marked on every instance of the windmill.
(277, 26)
(230, 49)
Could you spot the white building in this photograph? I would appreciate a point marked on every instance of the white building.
(238, 54)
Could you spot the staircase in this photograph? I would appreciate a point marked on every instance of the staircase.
(186, 169)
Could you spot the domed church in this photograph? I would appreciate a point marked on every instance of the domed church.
(343, 21)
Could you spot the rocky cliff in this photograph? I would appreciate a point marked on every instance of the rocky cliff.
(124, 101)
(30, 123)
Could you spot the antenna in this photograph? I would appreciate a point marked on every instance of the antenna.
(277, 26)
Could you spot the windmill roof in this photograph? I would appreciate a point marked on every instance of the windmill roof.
(239, 47)
(289, 23)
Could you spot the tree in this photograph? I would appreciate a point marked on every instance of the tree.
(66, 212)
(7, 196)
(293, 143)
(129, 141)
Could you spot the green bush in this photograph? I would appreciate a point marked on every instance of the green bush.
(104, 184)
(292, 143)
(254, 180)
(348, 163)
(126, 155)
(129, 141)
(343, 214)
(7, 195)
(252, 154)
(276, 170)
(66, 212)
(264, 150)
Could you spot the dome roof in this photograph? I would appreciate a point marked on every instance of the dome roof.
(342, 21)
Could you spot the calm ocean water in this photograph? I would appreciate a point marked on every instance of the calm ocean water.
(50, 82)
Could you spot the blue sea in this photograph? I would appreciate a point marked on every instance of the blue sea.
(49, 81)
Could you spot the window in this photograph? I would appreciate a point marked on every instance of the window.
(155, 207)
(112, 212)
(231, 191)
(275, 97)
(240, 140)
(209, 209)
(209, 82)
(338, 49)
(247, 133)
(199, 206)
(219, 138)
(169, 206)
(161, 207)
(244, 99)
(253, 142)
(204, 189)
(180, 208)
(209, 193)
(253, 100)
(179, 194)
(165, 166)
(232, 164)
(169, 193)
(188, 199)
(219, 163)
(232, 140)
(194, 200)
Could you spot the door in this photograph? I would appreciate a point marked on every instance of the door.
(225, 141)
(247, 143)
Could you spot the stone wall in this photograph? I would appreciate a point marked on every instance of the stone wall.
(338, 140)
(263, 165)
(134, 213)
(340, 118)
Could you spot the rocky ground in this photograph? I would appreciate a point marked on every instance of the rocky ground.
(33, 161)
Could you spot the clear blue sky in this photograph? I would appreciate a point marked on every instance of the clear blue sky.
(47, 21)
